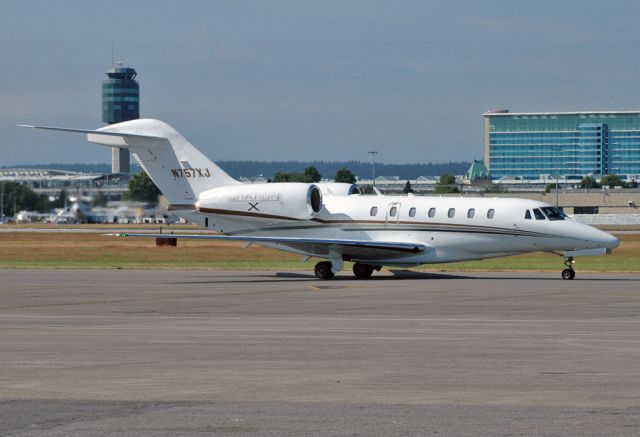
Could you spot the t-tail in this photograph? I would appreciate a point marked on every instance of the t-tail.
(179, 170)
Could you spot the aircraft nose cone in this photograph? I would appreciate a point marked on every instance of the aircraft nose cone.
(605, 239)
(611, 242)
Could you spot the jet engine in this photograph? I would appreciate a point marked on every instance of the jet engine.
(274, 200)
(338, 188)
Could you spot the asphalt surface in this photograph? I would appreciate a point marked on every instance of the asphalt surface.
(234, 353)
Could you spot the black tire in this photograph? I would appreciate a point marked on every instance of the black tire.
(573, 274)
(568, 274)
(362, 271)
(322, 270)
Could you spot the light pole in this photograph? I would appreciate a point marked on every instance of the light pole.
(373, 154)
(557, 175)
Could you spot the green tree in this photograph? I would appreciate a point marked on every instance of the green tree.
(612, 180)
(345, 175)
(589, 182)
(283, 176)
(311, 174)
(142, 188)
(407, 188)
(447, 184)
(18, 197)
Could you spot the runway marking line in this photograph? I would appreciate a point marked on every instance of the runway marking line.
(308, 318)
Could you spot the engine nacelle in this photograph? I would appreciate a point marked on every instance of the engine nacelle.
(338, 188)
(288, 200)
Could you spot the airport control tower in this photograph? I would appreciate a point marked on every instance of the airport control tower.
(120, 102)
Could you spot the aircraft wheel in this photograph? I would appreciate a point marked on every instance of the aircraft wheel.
(362, 271)
(323, 270)
(568, 274)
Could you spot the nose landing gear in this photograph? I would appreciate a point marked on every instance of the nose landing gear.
(568, 273)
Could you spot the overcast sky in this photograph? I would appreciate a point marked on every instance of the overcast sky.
(311, 80)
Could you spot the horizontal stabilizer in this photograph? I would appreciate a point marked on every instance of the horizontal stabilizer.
(94, 132)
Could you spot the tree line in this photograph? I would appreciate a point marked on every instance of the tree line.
(238, 169)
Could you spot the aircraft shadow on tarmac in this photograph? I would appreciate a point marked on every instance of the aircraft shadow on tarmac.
(395, 276)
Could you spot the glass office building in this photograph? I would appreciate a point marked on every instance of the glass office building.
(535, 145)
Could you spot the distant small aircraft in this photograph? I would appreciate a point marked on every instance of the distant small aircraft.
(332, 221)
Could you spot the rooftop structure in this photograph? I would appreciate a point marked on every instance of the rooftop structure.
(477, 172)
(533, 145)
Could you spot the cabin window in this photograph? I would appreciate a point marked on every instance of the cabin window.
(451, 213)
(393, 211)
(374, 211)
(432, 212)
(206, 222)
(538, 214)
(471, 212)
(527, 215)
(491, 213)
(412, 212)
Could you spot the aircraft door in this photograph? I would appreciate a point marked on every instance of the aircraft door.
(393, 213)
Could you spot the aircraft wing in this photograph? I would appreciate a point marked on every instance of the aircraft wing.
(357, 249)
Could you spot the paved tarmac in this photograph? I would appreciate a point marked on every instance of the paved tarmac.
(235, 353)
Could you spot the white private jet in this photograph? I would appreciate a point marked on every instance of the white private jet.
(332, 221)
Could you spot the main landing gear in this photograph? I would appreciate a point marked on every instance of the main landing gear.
(362, 271)
(568, 273)
(323, 270)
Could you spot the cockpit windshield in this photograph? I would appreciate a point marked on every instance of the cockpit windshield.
(553, 213)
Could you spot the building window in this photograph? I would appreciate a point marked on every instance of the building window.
(374, 211)
(527, 215)
(412, 212)
(451, 213)
(538, 214)
(585, 210)
(432, 212)
(206, 222)
(393, 211)
(471, 212)
(491, 213)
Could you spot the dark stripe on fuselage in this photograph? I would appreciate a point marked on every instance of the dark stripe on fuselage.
(386, 226)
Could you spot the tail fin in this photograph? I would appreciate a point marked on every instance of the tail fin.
(179, 170)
